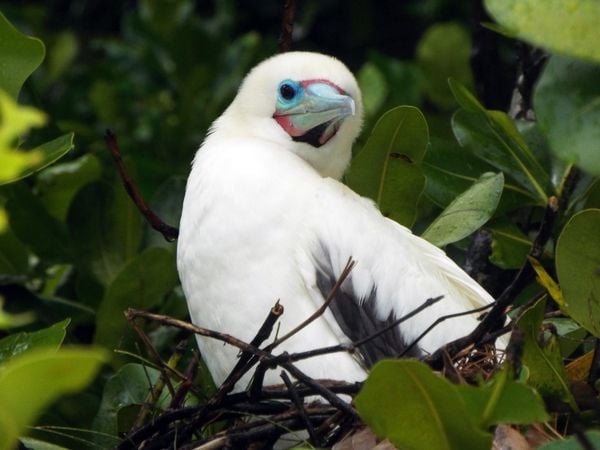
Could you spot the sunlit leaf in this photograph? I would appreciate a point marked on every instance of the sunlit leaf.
(468, 212)
(17, 343)
(568, 27)
(387, 169)
(578, 268)
(31, 382)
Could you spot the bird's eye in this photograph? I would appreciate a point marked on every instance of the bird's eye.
(287, 90)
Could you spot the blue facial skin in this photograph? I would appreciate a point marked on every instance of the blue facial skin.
(310, 104)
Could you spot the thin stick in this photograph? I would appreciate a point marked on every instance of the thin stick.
(169, 233)
(300, 406)
(319, 312)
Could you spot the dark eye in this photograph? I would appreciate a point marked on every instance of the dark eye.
(287, 91)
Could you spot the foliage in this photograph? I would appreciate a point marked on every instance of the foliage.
(75, 253)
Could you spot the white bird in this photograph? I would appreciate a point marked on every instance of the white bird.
(265, 218)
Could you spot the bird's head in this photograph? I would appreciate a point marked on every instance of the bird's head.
(308, 103)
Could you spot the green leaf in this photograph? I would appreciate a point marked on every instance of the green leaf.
(14, 256)
(141, 284)
(129, 386)
(572, 443)
(58, 185)
(374, 87)
(14, 121)
(106, 229)
(510, 245)
(557, 25)
(20, 55)
(31, 382)
(404, 401)
(570, 334)
(544, 361)
(32, 224)
(503, 401)
(36, 444)
(17, 343)
(387, 169)
(578, 268)
(493, 137)
(49, 152)
(61, 54)
(444, 51)
(468, 212)
(567, 105)
(451, 170)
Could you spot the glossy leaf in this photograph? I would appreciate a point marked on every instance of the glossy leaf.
(17, 343)
(387, 169)
(493, 137)
(578, 268)
(567, 104)
(31, 382)
(544, 361)
(404, 401)
(444, 51)
(567, 27)
(468, 212)
(58, 184)
(451, 170)
(50, 152)
(20, 54)
(141, 284)
(503, 401)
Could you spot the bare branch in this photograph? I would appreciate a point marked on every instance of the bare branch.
(287, 26)
(169, 233)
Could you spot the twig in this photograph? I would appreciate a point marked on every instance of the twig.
(319, 312)
(320, 390)
(494, 317)
(186, 384)
(439, 320)
(166, 320)
(244, 364)
(169, 233)
(287, 26)
(161, 364)
(300, 406)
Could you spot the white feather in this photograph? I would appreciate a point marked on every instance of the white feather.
(260, 209)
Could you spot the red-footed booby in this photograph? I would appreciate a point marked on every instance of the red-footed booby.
(265, 218)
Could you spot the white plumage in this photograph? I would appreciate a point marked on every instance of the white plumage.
(264, 218)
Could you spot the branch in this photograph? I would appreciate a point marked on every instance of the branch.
(169, 233)
(287, 26)
(319, 312)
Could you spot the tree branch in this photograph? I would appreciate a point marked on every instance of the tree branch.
(169, 233)
(287, 26)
